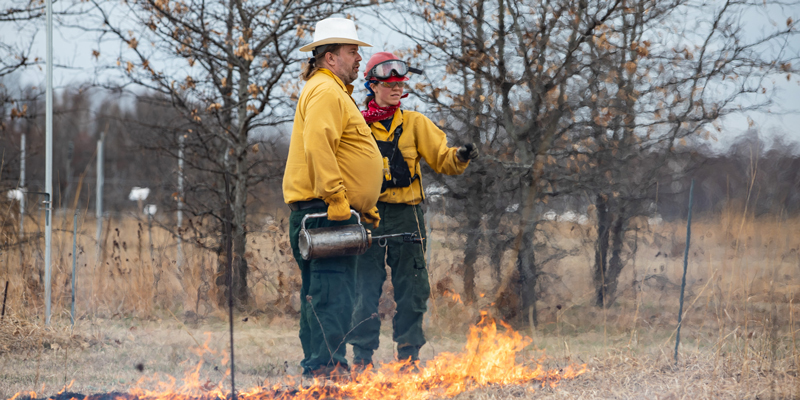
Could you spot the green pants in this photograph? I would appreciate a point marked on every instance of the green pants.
(409, 279)
(326, 298)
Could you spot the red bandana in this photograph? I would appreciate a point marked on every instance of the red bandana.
(375, 113)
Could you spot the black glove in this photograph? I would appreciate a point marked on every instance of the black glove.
(467, 152)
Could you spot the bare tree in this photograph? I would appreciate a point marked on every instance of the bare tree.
(572, 97)
(515, 62)
(230, 68)
(652, 93)
(16, 53)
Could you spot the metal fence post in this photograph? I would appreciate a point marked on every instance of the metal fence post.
(74, 260)
(685, 265)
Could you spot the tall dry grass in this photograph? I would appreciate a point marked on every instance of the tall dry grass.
(743, 283)
(127, 276)
(739, 266)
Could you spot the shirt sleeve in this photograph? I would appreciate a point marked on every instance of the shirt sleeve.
(432, 146)
(321, 137)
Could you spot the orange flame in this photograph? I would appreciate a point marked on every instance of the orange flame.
(453, 296)
(24, 395)
(488, 358)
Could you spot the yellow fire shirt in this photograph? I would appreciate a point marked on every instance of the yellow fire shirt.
(421, 138)
(331, 148)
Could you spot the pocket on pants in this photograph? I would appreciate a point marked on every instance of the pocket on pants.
(422, 287)
(417, 252)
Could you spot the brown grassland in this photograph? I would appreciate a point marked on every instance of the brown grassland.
(141, 318)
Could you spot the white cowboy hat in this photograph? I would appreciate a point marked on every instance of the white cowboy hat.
(334, 30)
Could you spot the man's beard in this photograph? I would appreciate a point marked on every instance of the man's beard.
(350, 75)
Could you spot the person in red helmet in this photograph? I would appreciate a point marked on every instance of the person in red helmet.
(404, 137)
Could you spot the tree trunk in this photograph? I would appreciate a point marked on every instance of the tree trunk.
(236, 213)
(474, 235)
(615, 264)
(239, 232)
(222, 276)
(518, 299)
(237, 170)
(496, 243)
(601, 249)
(473, 92)
(528, 275)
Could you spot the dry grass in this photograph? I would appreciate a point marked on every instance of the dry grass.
(130, 279)
(103, 356)
(738, 338)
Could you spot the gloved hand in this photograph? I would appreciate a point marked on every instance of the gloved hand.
(338, 207)
(372, 217)
(467, 152)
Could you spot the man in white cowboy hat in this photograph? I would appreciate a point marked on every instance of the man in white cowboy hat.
(333, 165)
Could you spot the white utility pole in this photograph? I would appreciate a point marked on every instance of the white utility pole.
(181, 147)
(22, 203)
(99, 199)
(48, 180)
(22, 187)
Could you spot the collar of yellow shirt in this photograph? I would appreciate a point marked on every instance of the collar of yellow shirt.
(397, 119)
(346, 88)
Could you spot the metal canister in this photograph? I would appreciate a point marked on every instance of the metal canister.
(333, 241)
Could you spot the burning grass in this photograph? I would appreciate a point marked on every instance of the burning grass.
(491, 357)
(757, 365)
(488, 359)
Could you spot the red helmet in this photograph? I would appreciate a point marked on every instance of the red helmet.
(389, 68)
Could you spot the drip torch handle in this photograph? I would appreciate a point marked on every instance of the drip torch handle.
(325, 215)
(408, 237)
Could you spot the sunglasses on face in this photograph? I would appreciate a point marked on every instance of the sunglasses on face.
(392, 85)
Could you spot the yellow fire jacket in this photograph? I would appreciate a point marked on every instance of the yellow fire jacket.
(331, 148)
(421, 138)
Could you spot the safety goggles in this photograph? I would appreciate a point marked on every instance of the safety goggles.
(390, 68)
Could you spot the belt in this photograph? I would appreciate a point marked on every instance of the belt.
(304, 205)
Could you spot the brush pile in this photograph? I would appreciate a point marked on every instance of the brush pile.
(20, 335)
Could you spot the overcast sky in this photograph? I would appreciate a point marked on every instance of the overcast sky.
(73, 51)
